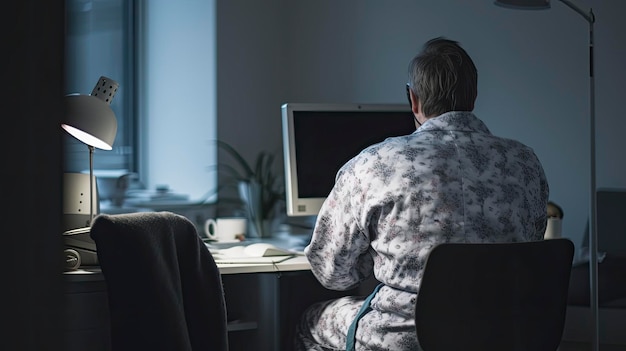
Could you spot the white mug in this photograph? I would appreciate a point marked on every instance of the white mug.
(225, 229)
(553, 229)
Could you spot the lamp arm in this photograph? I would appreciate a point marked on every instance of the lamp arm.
(91, 150)
(593, 228)
(593, 221)
(589, 16)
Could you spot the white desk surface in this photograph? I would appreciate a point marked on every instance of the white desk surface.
(296, 263)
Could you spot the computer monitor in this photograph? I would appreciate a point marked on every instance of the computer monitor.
(318, 138)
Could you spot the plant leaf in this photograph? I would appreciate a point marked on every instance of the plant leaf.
(270, 191)
(240, 160)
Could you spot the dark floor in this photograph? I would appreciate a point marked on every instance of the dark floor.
(579, 346)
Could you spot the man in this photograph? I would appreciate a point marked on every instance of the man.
(449, 181)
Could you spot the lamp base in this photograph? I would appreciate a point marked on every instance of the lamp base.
(76, 206)
(82, 246)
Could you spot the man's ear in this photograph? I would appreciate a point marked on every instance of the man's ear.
(414, 102)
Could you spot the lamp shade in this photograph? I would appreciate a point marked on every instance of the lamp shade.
(524, 4)
(89, 118)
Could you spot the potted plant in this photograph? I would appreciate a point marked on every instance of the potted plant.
(259, 188)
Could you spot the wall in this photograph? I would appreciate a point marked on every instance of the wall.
(31, 259)
(177, 93)
(533, 74)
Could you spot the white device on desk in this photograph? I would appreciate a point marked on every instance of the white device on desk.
(80, 249)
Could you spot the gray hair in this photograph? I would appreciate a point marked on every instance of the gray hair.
(443, 77)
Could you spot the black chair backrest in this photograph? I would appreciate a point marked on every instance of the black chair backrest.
(164, 287)
(494, 296)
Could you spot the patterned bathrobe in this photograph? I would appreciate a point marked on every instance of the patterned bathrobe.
(449, 181)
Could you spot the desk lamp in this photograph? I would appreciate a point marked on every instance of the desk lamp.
(90, 119)
(593, 239)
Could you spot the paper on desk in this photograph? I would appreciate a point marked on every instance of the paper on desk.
(254, 253)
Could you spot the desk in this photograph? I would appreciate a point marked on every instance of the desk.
(297, 263)
(264, 306)
(263, 302)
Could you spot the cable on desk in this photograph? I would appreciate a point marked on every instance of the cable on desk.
(276, 269)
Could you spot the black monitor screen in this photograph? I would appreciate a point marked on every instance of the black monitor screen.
(325, 140)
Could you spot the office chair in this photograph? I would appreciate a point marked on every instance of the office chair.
(494, 296)
(164, 288)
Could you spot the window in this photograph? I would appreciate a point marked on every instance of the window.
(162, 53)
(99, 42)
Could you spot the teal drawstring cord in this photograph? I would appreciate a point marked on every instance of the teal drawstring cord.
(351, 337)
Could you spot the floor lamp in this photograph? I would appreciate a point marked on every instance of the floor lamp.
(90, 119)
(593, 235)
